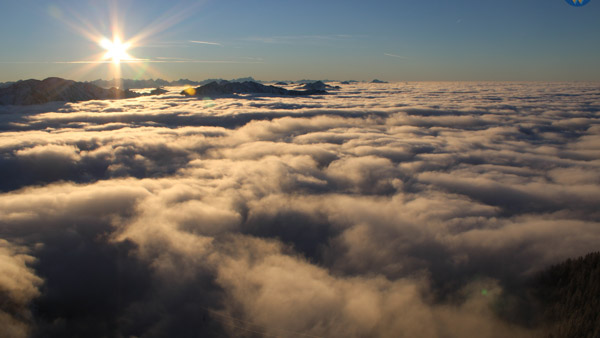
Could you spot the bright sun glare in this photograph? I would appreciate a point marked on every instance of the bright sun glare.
(116, 50)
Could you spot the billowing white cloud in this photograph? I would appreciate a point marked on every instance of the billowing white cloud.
(18, 286)
(375, 210)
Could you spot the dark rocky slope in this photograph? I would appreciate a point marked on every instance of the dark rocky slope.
(569, 294)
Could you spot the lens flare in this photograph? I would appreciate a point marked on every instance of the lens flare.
(208, 102)
(190, 91)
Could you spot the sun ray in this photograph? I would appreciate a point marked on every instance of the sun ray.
(116, 50)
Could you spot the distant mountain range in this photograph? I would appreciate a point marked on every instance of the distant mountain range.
(318, 85)
(29, 92)
(248, 87)
(154, 83)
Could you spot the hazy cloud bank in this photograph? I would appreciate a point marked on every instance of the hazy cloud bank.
(379, 210)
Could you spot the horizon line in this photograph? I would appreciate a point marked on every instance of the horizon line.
(303, 80)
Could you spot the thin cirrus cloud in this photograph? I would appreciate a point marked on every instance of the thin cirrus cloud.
(373, 210)
(206, 43)
(288, 39)
(395, 55)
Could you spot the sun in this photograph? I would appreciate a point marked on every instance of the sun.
(115, 50)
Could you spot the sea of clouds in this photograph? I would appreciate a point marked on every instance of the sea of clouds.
(378, 210)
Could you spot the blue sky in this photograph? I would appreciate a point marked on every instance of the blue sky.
(541, 40)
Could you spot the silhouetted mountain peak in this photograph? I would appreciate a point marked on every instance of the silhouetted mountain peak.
(318, 85)
(248, 87)
(27, 92)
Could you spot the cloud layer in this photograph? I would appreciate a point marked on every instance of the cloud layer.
(378, 210)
